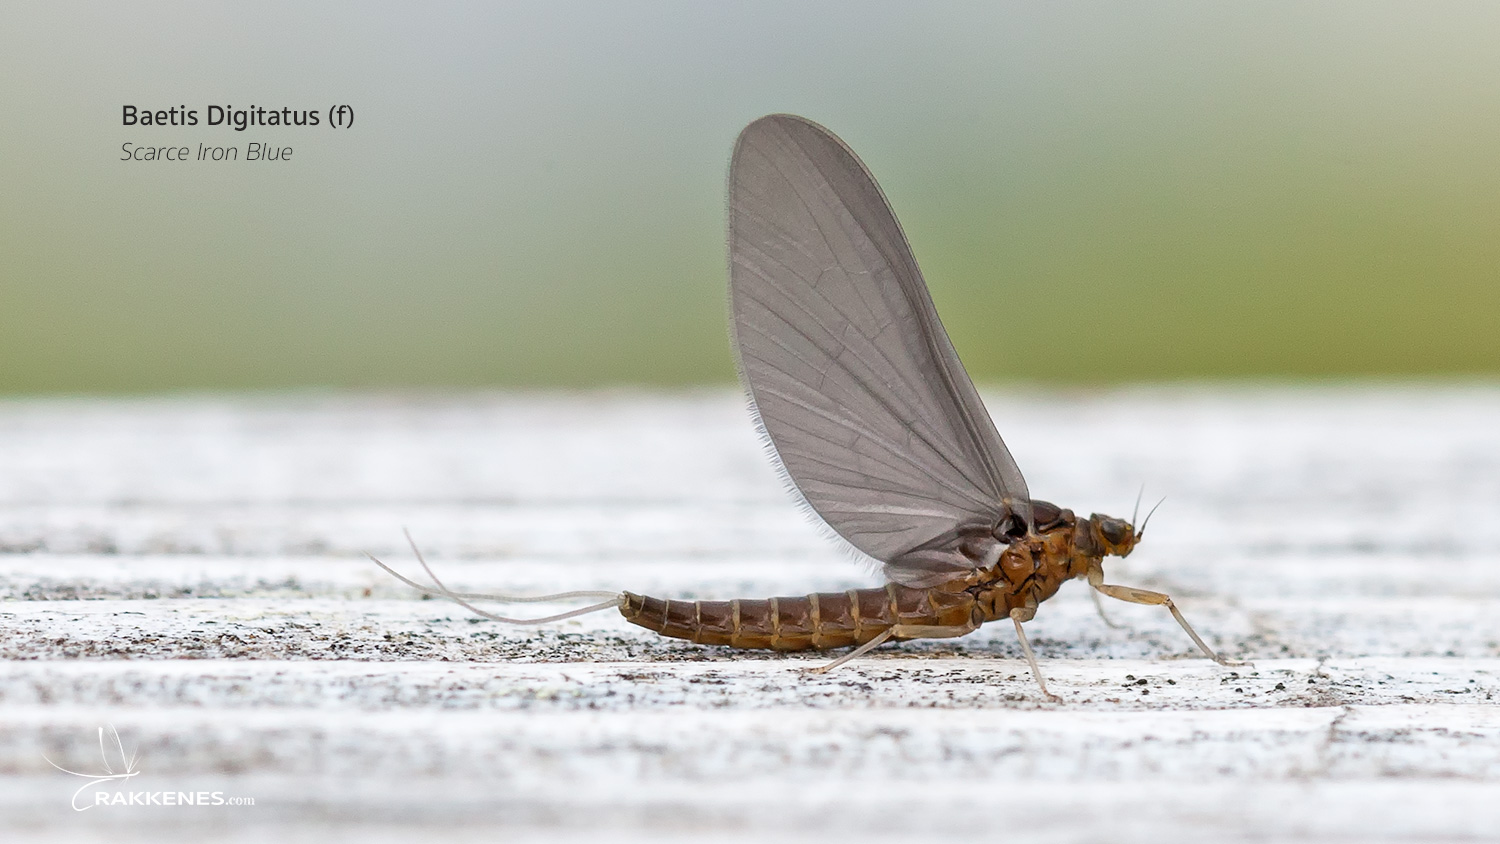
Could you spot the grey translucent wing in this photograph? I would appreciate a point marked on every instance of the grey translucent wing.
(854, 379)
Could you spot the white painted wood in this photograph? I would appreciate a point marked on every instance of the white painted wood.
(188, 570)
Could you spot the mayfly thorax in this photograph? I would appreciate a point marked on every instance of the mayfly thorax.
(875, 422)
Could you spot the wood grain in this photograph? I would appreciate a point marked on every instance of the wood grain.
(188, 570)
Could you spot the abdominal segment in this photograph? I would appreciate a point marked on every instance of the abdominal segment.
(817, 621)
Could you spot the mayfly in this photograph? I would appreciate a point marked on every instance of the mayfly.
(875, 423)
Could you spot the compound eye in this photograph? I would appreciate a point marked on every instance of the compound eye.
(1114, 530)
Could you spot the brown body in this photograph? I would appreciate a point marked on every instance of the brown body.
(1030, 570)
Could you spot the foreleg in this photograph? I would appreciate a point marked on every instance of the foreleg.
(1146, 596)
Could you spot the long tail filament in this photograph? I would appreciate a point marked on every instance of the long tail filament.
(463, 599)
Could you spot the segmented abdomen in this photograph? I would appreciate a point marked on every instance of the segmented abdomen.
(821, 620)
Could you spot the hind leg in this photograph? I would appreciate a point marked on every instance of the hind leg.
(899, 631)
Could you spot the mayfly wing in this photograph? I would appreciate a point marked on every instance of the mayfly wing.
(854, 379)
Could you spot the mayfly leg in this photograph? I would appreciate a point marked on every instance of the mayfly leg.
(1146, 596)
(918, 631)
(871, 645)
(1018, 615)
(903, 631)
(1099, 608)
(463, 598)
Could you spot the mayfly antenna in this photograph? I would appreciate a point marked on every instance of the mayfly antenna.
(1137, 510)
(1142, 532)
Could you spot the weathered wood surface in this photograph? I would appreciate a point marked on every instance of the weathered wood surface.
(188, 570)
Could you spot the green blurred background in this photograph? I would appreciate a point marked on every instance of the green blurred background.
(533, 192)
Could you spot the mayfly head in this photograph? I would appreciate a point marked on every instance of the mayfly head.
(1112, 536)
